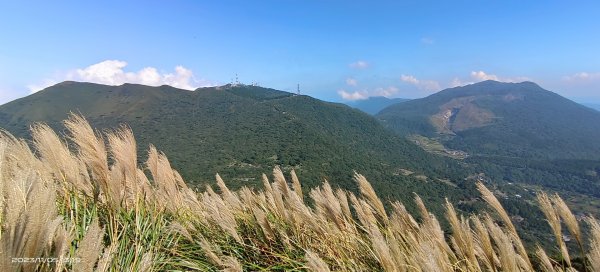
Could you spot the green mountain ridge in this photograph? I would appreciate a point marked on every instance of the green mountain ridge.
(242, 131)
(502, 119)
(513, 132)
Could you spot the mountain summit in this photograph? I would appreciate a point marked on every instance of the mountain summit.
(501, 119)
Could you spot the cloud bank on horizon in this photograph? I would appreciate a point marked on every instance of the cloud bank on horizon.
(423, 86)
(112, 72)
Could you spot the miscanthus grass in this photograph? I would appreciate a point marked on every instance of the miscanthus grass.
(84, 203)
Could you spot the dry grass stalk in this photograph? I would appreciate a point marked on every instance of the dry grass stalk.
(462, 238)
(568, 217)
(231, 264)
(2, 182)
(553, 219)
(106, 258)
(263, 222)
(327, 204)
(570, 220)
(90, 248)
(280, 181)
(124, 153)
(405, 220)
(594, 252)
(208, 249)
(367, 192)
(296, 185)
(30, 220)
(485, 249)
(62, 244)
(93, 152)
(489, 197)
(146, 264)
(545, 262)
(425, 215)
(505, 249)
(220, 214)
(314, 263)
(381, 248)
(28, 214)
(54, 154)
(163, 180)
(232, 200)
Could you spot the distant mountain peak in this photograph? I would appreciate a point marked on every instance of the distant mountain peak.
(501, 118)
(500, 84)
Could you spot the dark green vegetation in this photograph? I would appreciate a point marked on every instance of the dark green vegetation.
(514, 133)
(243, 131)
(375, 104)
(502, 119)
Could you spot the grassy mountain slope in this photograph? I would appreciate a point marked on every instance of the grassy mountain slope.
(98, 211)
(507, 119)
(243, 131)
(516, 132)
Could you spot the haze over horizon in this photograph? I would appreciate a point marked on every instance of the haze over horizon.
(335, 50)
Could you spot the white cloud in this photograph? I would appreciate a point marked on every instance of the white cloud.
(351, 81)
(427, 85)
(353, 96)
(387, 92)
(409, 79)
(184, 79)
(482, 76)
(112, 72)
(107, 72)
(366, 93)
(582, 76)
(361, 64)
(456, 82)
(478, 76)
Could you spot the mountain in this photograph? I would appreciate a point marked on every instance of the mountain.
(242, 131)
(507, 119)
(374, 104)
(513, 132)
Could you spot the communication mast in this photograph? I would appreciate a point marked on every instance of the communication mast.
(298, 89)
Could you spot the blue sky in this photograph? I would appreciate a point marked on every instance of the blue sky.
(335, 50)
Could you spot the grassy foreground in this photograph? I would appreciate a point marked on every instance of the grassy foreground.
(84, 204)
